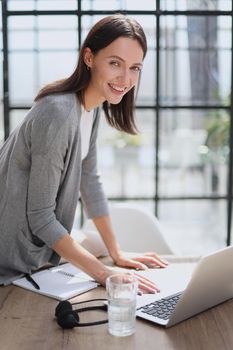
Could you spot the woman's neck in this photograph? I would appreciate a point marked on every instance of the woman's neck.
(91, 98)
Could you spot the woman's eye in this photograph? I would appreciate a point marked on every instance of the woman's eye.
(114, 63)
(136, 68)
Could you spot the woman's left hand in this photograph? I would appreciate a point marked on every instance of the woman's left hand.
(141, 261)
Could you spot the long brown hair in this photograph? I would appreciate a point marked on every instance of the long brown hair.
(102, 34)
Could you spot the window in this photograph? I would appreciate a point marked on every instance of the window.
(180, 164)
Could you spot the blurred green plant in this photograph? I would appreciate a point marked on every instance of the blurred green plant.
(218, 131)
(218, 127)
(122, 140)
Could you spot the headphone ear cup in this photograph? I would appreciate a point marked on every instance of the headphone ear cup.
(66, 317)
(63, 306)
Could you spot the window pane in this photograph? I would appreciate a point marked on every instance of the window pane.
(57, 22)
(22, 5)
(1, 123)
(54, 66)
(1, 85)
(144, 204)
(21, 23)
(16, 5)
(147, 93)
(125, 159)
(137, 5)
(22, 78)
(30, 42)
(87, 23)
(147, 88)
(30, 71)
(21, 40)
(1, 37)
(43, 32)
(134, 5)
(222, 5)
(58, 39)
(57, 32)
(232, 225)
(194, 227)
(147, 22)
(194, 152)
(16, 117)
(224, 84)
(195, 56)
(22, 34)
(100, 5)
(1, 57)
(56, 5)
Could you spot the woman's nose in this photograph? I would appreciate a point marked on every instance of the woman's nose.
(125, 77)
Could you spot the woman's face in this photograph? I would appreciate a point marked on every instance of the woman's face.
(114, 70)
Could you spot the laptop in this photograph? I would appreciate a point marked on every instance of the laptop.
(182, 297)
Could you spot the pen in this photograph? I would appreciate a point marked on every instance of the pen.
(31, 280)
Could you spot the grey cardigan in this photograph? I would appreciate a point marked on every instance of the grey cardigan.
(41, 177)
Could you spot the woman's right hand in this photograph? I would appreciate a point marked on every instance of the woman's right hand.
(145, 286)
(71, 251)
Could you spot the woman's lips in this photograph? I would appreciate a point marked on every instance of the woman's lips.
(118, 90)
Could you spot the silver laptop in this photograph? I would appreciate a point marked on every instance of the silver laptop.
(211, 283)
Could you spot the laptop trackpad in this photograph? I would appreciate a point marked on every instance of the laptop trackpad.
(170, 280)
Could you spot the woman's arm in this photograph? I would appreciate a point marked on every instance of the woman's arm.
(69, 249)
(104, 227)
(73, 252)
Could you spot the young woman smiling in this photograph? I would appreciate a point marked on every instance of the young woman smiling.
(51, 158)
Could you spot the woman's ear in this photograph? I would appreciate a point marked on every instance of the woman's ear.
(88, 57)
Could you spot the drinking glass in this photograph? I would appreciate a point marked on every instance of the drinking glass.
(122, 293)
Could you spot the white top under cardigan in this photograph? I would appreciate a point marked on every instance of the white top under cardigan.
(86, 123)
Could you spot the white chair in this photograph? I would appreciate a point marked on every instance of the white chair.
(136, 230)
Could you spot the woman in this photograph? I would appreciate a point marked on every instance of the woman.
(51, 158)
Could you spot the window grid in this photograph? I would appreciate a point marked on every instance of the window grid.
(158, 106)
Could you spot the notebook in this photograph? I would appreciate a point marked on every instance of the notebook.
(187, 290)
(62, 282)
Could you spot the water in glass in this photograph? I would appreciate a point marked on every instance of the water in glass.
(121, 313)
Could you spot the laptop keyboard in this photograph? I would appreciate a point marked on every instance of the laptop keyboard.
(162, 308)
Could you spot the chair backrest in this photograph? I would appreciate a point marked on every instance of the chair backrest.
(136, 230)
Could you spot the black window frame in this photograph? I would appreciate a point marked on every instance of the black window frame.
(157, 107)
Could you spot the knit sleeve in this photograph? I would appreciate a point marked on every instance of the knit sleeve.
(49, 143)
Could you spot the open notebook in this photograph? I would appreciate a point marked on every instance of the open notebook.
(61, 282)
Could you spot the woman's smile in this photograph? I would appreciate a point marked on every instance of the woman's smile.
(118, 90)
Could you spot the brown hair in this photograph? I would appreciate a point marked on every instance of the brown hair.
(102, 34)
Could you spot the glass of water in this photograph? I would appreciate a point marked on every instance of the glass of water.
(122, 293)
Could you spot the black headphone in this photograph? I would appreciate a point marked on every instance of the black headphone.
(69, 318)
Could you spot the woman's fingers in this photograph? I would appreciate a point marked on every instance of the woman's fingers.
(151, 260)
(145, 285)
(142, 261)
(135, 264)
(145, 288)
(157, 256)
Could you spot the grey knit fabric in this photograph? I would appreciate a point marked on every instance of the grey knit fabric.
(41, 178)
